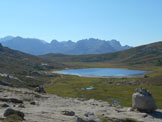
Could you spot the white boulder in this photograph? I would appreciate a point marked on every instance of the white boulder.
(143, 100)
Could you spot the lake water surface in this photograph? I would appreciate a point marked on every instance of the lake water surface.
(103, 72)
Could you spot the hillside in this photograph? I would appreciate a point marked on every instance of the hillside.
(40, 47)
(21, 69)
(146, 54)
(13, 61)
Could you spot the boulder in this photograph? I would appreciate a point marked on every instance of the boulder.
(40, 90)
(143, 101)
(11, 111)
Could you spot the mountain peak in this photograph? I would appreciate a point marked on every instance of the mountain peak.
(54, 41)
(6, 38)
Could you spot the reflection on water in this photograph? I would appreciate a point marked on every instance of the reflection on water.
(103, 72)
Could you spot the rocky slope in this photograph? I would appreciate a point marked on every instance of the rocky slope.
(51, 108)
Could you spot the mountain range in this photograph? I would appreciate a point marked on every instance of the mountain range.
(84, 46)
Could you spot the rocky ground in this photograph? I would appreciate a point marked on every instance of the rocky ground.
(51, 108)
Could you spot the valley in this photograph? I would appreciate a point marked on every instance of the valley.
(38, 71)
(81, 61)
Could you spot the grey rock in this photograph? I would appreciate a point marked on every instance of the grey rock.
(88, 114)
(11, 111)
(68, 113)
(40, 90)
(4, 105)
(121, 120)
(143, 100)
(12, 100)
(33, 103)
(146, 76)
(87, 119)
(5, 83)
(130, 109)
(21, 106)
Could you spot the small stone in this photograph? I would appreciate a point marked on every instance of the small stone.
(145, 115)
(40, 90)
(4, 105)
(102, 105)
(68, 113)
(130, 109)
(146, 76)
(33, 103)
(11, 111)
(21, 106)
(88, 114)
(87, 119)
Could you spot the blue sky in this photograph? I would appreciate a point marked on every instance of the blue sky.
(132, 22)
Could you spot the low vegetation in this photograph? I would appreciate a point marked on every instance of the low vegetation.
(106, 89)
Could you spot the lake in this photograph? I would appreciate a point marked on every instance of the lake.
(103, 72)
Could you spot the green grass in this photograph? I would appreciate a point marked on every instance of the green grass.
(74, 86)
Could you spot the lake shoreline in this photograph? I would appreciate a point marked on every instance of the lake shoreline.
(95, 76)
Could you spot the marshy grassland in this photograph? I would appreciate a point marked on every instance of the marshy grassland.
(112, 90)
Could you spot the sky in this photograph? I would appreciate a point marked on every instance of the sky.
(132, 22)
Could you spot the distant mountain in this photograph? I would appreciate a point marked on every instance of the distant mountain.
(6, 38)
(40, 47)
(31, 46)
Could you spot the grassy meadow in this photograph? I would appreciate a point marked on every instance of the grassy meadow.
(107, 89)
